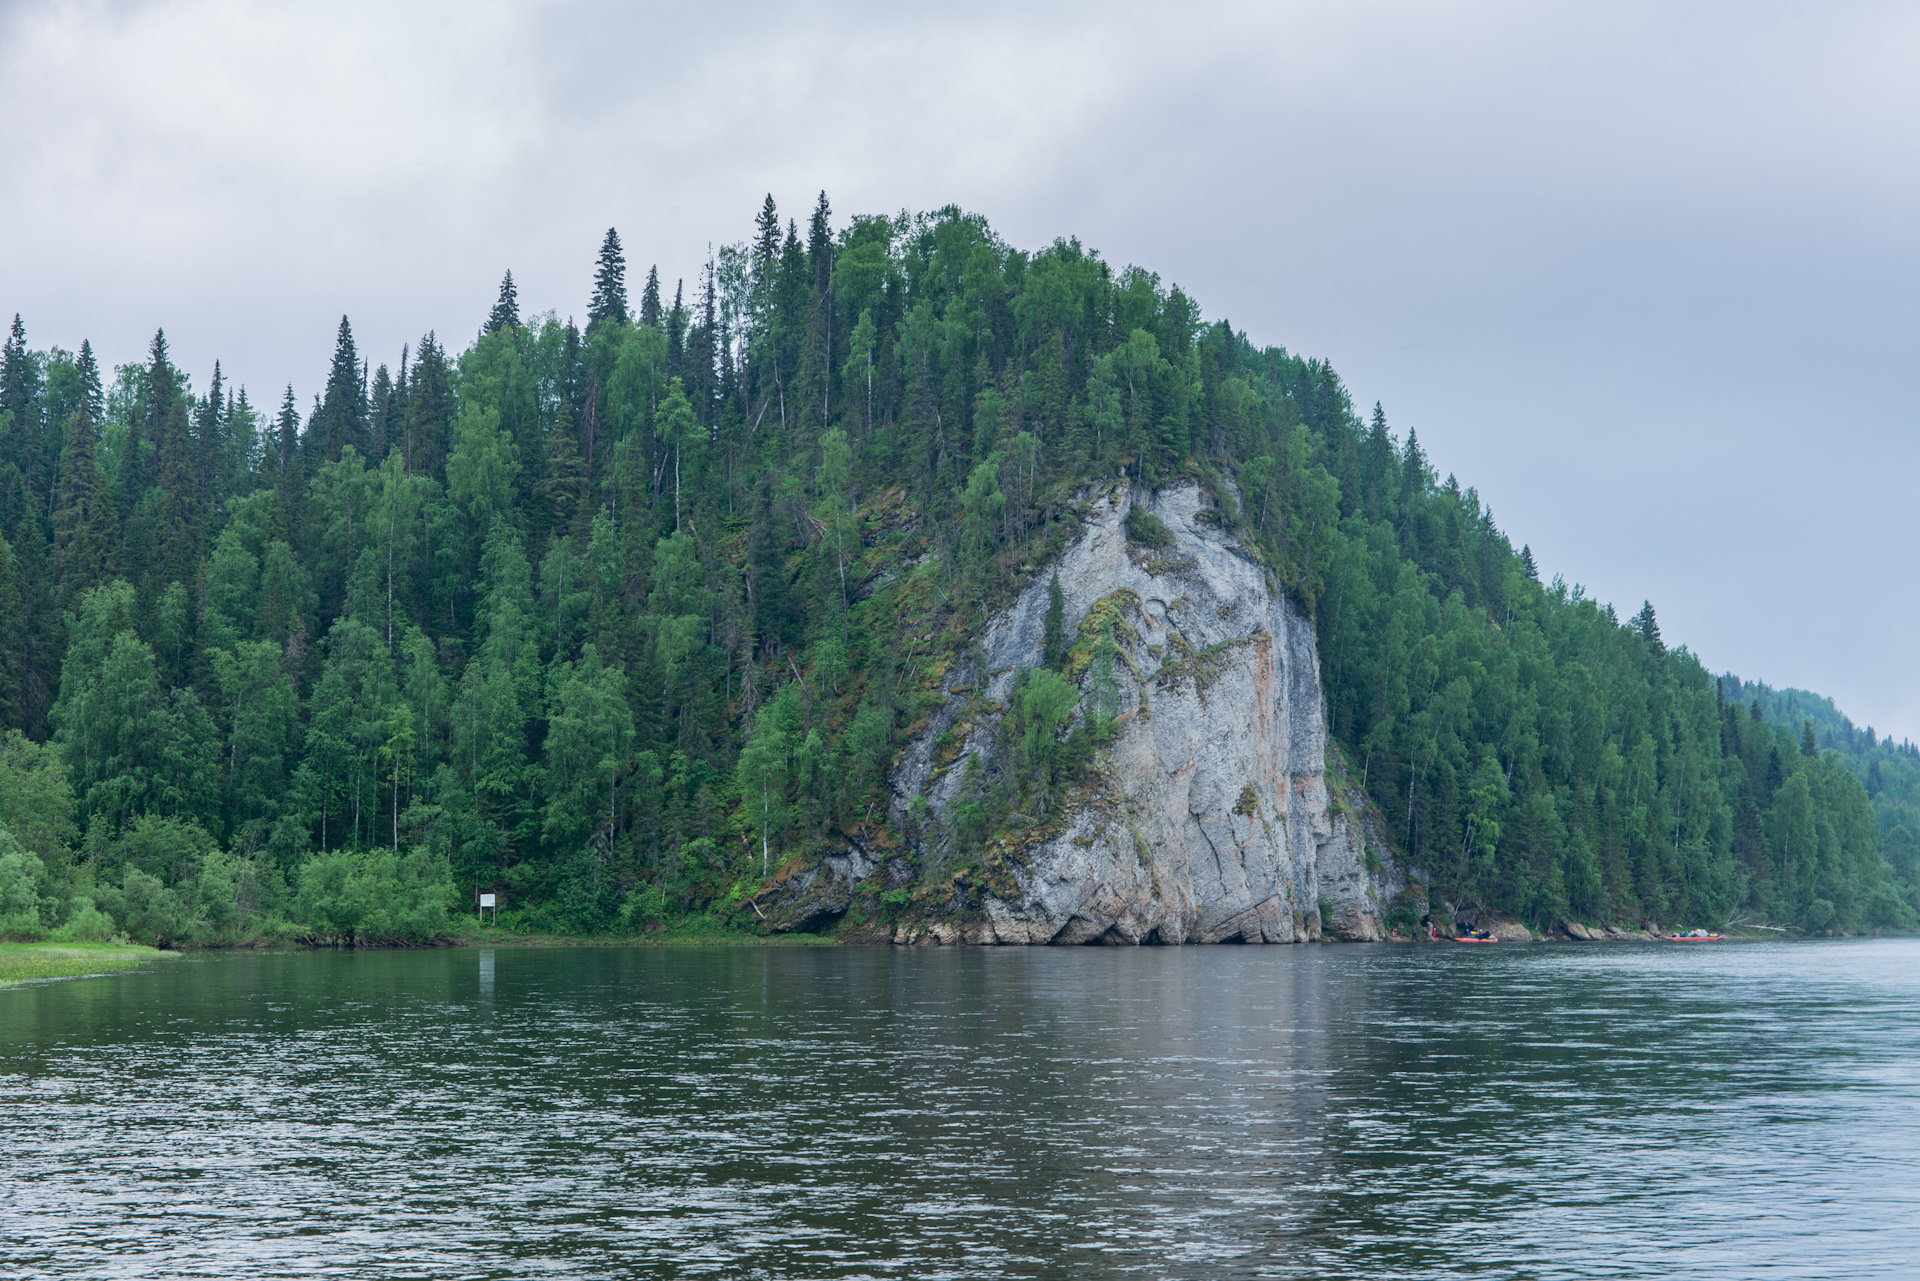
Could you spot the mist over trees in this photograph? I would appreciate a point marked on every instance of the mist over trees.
(618, 620)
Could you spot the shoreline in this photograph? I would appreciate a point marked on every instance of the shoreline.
(47, 961)
(27, 963)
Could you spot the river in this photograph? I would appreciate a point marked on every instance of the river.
(1346, 1110)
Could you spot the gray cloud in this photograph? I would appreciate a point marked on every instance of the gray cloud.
(1641, 272)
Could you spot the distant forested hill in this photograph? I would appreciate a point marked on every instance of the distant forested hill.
(620, 617)
(1889, 771)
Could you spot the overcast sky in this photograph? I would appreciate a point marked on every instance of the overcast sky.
(1646, 274)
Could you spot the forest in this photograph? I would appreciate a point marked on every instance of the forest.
(615, 619)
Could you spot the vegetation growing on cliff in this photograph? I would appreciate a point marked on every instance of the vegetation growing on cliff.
(617, 621)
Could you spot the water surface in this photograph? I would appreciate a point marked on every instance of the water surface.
(1387, 1111)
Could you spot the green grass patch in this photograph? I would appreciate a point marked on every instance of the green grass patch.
(27, 962)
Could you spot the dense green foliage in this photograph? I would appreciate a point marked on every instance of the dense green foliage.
(619, 621)
(1890, 771)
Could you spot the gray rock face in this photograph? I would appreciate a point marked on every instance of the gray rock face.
(1210, 818)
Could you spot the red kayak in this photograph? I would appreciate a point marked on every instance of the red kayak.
(1471, 939)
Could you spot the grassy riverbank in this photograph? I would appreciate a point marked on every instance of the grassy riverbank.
(700, 930)
(26, 962)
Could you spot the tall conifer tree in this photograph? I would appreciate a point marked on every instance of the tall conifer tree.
(342, 417)
(609, 283)
(704, 348)
(650, 299)
(42, 636)
(816, 354)
(159, 391)
(16, 378)
(85, 524)
(286, 435)
(430, 410)
(380, 413)
(177, 527)
(766, 239)
(13, 638)
(395, 428)
(506, 308)
(21, 438)
(676, 330)
(91, 393)
(209, 442)
(1379, 464)
(563, 489)
(1648, 627)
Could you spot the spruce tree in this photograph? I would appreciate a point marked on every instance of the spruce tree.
(766, 240)
(430, 410)
(20, 434)
(16, 376)
(676, 329)
(394, 428)
(342, 417)
(815, 381)
(1413, 467)
(506, 309)
(1527, 567)
(1648, 628)
(42, 637)
(208, 442)
(13, 638)
(573, 392)
(773, 620)
(820, 243)
(157, 406)
(90, 391)
(563, 489)
(85, 525)
(609, 284)
(286, 434)
(178, 516)
(703, 348)
(1807, 746)
(1378, 468)
(380, 413)
(650, 299)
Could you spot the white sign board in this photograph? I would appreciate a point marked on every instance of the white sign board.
(486, 900)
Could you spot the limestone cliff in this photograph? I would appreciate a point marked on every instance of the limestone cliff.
(1206, 817)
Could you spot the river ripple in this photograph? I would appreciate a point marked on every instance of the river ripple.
(1388, 1111)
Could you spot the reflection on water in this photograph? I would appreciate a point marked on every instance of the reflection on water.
(1172, 1112)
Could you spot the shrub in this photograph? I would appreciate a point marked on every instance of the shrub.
(20, 873)
(1146, 529)
(359, 897)
(586, 899)
(150, 912)
(645, 906)
(170, 850)
(88, 924)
